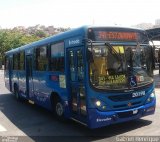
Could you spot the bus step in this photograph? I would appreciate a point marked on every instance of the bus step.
(78, 121)
(31, 102)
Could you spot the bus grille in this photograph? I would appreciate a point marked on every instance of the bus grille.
(126, 105)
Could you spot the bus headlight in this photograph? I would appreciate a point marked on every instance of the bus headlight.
(151, 97)
(100, 105)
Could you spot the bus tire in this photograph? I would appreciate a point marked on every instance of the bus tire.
(16, 92)
(58, 108)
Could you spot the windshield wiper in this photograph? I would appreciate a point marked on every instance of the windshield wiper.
(112, 50)
(115, 54)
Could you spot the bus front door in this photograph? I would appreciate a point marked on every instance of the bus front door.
(29, 77)
(76, 81)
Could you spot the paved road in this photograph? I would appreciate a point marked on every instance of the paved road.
(23, 119)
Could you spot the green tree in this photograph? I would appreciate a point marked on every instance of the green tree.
(18, 36)
(40, 34)
(10, 39)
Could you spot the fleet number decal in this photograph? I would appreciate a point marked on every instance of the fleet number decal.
(138, 94)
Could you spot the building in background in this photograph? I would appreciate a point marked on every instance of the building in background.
(148, 25)
(144, 26)
(157, 22)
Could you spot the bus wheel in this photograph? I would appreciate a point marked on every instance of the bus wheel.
(58, 109)
(16, 93)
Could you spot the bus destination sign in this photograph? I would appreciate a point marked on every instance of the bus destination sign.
(116, 36)
(110, 34)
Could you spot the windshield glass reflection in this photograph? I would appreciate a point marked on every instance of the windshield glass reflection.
(120, 67)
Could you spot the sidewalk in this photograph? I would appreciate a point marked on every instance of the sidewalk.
(1, 71)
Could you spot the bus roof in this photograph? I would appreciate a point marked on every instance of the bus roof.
(62, 36)
(51, 39)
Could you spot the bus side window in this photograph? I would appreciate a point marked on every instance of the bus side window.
(80, 65)
(57, 57)
(41, 58)
(16, 61)
(21, 61)
(6, 63)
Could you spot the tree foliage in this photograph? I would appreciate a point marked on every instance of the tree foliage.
(10, 39)
(18, 36)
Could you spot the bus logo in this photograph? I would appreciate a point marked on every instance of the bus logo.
(129, 104)
(74, 42)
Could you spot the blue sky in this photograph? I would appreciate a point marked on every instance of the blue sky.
(75, 13)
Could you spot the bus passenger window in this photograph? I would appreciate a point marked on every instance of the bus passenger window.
(16, 62)
(57, 57)
(41, 58)
(6, 63)
(21, 61)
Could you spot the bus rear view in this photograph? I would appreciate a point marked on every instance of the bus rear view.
(120, 76)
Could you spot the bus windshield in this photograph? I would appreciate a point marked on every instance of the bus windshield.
(120, 66)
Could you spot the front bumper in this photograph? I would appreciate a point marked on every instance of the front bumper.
(100, 119)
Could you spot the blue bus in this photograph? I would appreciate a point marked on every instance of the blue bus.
(96, 76)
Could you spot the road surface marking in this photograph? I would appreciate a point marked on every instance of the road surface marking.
(2, 129)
